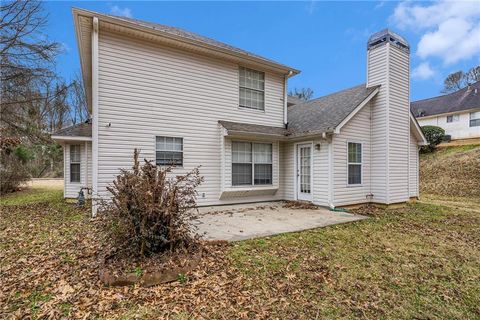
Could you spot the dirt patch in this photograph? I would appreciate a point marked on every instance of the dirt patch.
(300, 205)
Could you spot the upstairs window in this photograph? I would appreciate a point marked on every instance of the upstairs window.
(169, 151)
(475, 119)
(75, 157)
(453, 118)
(354, 163)
(252, 89)
(251, 163)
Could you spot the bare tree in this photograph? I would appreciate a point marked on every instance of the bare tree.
(473, 75)
(454, 81)
(304, 94)
(458, 80)
(26, 60)
(78, 101)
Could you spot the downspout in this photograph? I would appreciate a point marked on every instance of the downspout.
(285, 98)
(94, 116)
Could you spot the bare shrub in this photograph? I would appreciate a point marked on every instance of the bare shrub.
(13, 172)
(150, 209)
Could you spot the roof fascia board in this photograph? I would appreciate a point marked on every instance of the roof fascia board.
(248, 59)
(448, 113)
(71, 138)
(356, 110)
(78, 35)
(418, 130)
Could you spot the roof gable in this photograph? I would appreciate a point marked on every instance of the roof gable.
(326, 113)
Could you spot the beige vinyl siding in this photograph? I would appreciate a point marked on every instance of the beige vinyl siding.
(399, 125)
(287, 163)
(320, 173)
(414, 167)
(377, 66)
(357, 130)
(71, 189)
(148, 90)
(389, 67)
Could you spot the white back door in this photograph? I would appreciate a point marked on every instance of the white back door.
(304, 172)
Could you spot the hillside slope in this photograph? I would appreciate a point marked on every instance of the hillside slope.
(452, 171)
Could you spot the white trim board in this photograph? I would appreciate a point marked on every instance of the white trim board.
(356, 110)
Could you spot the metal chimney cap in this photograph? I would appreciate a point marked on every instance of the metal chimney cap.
(385, 36)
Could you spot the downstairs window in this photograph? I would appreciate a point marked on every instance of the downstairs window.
(75, 157)
(251, 163)
(354, 163)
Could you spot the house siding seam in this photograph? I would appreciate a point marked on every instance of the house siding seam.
(145, 88)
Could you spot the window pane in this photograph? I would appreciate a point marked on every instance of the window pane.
(75, 153)
(354, 152)
(354, 174)
(262, 152)
(169, 151)
(449, 118)
(263, 174)
(241, 152)
(241, 174)
(75, 172)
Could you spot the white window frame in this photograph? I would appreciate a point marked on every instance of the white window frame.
(475, 120)
(178, 151)
(453, 118)
(355, 163)
(252, 144)
(240, 87)
(79, 162)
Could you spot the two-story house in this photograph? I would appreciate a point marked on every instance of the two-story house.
(189, 100)
(458, 113)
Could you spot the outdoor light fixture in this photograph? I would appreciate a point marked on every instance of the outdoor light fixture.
(317, 146)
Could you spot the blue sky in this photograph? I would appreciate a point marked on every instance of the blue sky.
(325, 40)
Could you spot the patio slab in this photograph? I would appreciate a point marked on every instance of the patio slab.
(247, 221)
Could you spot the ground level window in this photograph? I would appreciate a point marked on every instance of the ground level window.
(251, 163)
(475, 119)
(354, 163)
(453, 118)
(169, 151)
(75, 157)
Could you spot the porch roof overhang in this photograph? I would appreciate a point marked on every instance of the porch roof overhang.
(238, 129)
(76, 133)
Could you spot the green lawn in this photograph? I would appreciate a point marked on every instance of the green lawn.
(418, 262)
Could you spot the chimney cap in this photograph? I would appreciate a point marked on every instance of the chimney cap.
(385, 36)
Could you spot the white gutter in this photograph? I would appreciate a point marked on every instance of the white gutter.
(285, 97)
(94, 116)
(71, 138)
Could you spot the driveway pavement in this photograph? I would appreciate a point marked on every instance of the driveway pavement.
(240, 222)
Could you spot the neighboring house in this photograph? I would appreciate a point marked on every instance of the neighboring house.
(458, 113)
(185, 99)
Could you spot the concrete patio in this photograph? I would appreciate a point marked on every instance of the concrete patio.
(247, 221)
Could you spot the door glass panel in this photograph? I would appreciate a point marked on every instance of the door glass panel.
(305, 169)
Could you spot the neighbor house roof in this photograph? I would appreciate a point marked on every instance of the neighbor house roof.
(464, 99)
(326, 113)
(80, 131)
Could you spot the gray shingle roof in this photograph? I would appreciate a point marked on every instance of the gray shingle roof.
(77, 130)
(463, 99)
(253, 128)
(196, 37)
(325, 113)
(293, 100)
